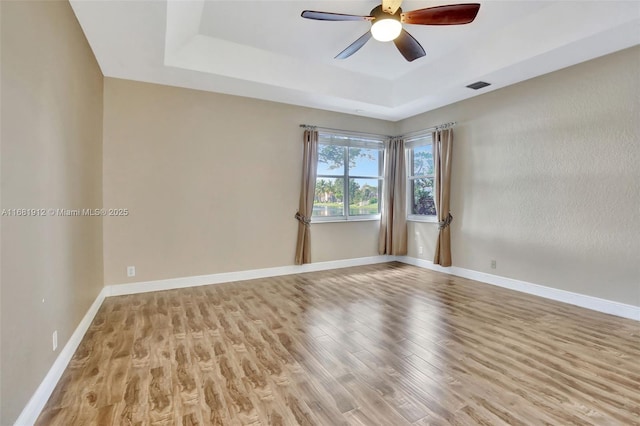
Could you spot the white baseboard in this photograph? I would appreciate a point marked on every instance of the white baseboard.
(32, 410)
(577, 299)
(173, 283)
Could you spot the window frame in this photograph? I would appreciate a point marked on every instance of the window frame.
(423, 139)
(346, 141)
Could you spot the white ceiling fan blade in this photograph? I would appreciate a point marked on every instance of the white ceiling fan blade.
(391, 6)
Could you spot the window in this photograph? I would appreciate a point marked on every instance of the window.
(420, 183)
(349, 177)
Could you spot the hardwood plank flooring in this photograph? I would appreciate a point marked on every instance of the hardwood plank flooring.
(387, 344)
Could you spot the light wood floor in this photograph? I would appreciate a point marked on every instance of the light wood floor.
(384, 344)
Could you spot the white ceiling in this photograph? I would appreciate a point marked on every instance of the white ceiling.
(263, 49)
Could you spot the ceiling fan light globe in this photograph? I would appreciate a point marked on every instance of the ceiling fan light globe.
(386, 29)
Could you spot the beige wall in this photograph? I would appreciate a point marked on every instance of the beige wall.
(211, 182)
(51, 158)
(546, 179)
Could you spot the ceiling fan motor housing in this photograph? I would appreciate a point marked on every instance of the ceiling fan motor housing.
(378, 13)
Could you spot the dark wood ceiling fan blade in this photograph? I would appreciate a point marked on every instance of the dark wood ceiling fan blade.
(328, 16)
(409, 46)
(453, 14)
(355, 46)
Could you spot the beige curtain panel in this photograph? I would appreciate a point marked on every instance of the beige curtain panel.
(393, 219)
(442, 146)
(307, 192)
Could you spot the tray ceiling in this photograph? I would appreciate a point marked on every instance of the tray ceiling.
(265, 50)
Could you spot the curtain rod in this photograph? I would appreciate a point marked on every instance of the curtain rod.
(347, 132)
(429, 129)
(410, 134)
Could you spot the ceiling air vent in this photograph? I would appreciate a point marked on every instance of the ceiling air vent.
(478, 85)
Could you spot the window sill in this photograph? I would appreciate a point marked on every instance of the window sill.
(342, 220)
(426, 219)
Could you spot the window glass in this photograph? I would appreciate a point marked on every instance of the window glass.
(420, 185)
(330, 160)
(364, 162)
(363, 196)
(422, 197)
(422, 161)
(329, 197)
(349, 178)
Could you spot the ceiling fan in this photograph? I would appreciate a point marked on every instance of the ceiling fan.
(387, 19)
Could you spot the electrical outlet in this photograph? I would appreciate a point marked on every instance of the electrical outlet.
(493, 264)
(131, 271)
(54, 338)
(420, 250)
